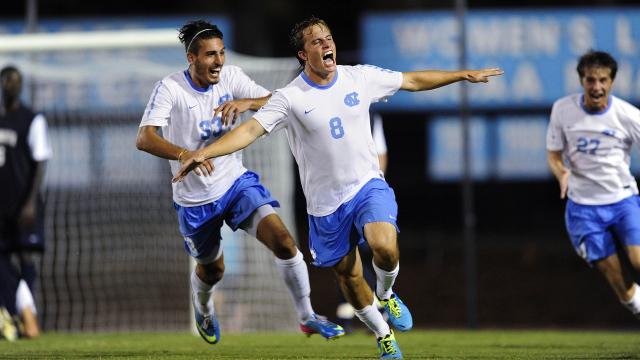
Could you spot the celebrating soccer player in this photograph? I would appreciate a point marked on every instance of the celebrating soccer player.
(325, 111)
(194, 108)
(589, 142)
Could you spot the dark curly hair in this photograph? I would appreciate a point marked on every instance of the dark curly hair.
(597, 59)
(203, 30)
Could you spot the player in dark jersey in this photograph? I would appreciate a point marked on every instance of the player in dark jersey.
(24, 150)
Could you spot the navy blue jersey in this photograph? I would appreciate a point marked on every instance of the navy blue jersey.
(17, 166)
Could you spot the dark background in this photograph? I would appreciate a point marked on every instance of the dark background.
(528, 273)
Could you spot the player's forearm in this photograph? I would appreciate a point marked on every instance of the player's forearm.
(149, 141)
(237, 139)
(556, 165)
(37, 182)
(430, 79)
(256, 104)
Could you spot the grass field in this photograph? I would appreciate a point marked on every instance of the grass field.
(417, 344)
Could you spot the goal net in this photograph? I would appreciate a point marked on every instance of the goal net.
(114, 259)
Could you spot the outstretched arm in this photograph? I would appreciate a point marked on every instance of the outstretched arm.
(237, 139)
(230, 110)
(554, 159)
(433, 79)
(148, 140)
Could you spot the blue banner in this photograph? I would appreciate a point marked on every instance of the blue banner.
(538, 49)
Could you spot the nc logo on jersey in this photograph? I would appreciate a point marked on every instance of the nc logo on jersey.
(223, 99)
(351, 99)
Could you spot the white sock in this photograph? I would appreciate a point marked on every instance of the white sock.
(634, 304)
(296, 276)
(371, 317)
(202, 294)
(24, 298)
(384, 281)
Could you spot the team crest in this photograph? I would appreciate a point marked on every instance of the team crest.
(351, 99)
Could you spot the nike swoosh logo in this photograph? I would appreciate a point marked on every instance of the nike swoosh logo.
(308, 111)
(192, 106)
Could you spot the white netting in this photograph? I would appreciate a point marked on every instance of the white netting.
(114, 257)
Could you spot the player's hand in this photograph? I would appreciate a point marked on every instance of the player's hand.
(27, 214)
(483, 75)
(194, 161)
(564, 183)
(231, 110)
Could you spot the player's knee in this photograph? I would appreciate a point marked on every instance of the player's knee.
(211, 273)
(386, 251)
(284, 247)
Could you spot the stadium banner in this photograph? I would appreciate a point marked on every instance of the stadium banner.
(98, 79)
(503, 148)
(537, 48)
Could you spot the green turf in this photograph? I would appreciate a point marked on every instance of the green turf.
(417, 344)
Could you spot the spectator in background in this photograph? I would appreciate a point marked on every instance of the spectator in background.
(589, 141)
(345, 311)
(24, 150)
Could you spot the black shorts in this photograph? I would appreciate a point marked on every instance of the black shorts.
(14, 237)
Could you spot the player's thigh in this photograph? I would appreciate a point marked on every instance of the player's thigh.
(272, 232)
(349, 267)
(634, 256)
(380, 235)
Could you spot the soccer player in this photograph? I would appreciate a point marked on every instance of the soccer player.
(194, 108)
(344, 311)
(24, 151)
(325, 111)
(589, 142)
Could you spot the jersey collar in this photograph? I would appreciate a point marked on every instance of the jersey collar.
(193, 85)
(591, 112)
(321, 87)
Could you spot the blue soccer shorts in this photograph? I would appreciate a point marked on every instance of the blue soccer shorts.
(333, 236)
(200, 225)
(592, 228)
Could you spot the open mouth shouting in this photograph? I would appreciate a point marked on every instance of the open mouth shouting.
(327, 58)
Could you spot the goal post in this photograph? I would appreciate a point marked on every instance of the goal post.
(114, 259)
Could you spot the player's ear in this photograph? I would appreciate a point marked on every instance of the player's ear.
(302, 55)
(191, 58)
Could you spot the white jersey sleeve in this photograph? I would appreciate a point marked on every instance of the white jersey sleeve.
(555, 136)
(242, 86)
(380, 83)
(630, 118)
(38, 139)
(274, 114)
(158, 111)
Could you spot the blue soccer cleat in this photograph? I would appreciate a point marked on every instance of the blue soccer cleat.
(207, 326)
(398, 312)
(388, 347)
(320, 325)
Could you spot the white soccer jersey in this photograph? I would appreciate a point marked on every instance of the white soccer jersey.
(329, 131)
(596, 148)
(184, 111)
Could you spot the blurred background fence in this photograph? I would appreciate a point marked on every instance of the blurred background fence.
(115, 261)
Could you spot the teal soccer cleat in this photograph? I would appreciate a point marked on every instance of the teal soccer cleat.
(320, 325)
(388, 347)
(207, 326)
(399, 314)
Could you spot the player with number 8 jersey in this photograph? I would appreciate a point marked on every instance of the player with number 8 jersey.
(325, 112)
(332, 145)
